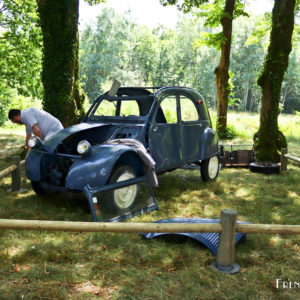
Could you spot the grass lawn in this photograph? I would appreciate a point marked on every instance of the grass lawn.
(64, 265)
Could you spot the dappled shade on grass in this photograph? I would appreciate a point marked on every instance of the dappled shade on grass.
(65, 265)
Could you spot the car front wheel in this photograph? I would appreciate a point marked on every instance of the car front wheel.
(210, 168)
(38, 189)
(123, 198)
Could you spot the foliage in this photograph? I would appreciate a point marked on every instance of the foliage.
(66, 265)
(180, 57)
(94, 2)
(104, 50)
(20, 52)
(228, 134)
(21, 102)
(213, 13)
(216, 13)
(245, 66)
(186, 5)
(141, 57)
(290, 92)
(260, 30)
(18, 101)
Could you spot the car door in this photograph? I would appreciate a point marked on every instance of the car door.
(165, 134)
(192, 129)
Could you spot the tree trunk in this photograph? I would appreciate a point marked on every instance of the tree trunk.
(246, 92)
(269, 140)
(285, 93)
(221, 72)
(251, 102)
(63, 97)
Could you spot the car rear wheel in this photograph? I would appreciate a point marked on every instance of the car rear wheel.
(210, 168)
(123, 198)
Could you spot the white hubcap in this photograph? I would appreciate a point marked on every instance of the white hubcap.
(213, 167)
(124, 197)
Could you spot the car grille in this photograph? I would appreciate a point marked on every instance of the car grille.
(55, 169)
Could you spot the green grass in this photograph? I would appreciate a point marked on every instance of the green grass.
(59, 265)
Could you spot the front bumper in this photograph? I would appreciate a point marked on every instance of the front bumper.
(49, 169)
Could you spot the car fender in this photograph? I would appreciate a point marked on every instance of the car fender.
(95, 169)
(33, 165)
(209, 145)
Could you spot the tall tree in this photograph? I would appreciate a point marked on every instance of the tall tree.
(60, 76)
(222, 70)
(269, 139)
(63, 95)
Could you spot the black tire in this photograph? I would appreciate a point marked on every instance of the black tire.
(124, 198)
(38, 189)
(210, 168)
(265, 167)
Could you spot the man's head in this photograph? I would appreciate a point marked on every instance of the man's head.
(15, 116)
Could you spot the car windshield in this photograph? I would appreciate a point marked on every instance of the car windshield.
(119, 108)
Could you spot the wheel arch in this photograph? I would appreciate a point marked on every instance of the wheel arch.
(209, 145)
(96, 168)
(132, 159)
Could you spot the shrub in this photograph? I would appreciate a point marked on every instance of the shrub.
(11, 100)
(229, 133)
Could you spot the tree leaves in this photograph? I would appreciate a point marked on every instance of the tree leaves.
(20, 52)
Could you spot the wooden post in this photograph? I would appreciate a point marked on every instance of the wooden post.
(16, 175)
(225, 258)
(284, 160)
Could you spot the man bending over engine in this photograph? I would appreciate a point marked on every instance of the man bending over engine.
(37, 122)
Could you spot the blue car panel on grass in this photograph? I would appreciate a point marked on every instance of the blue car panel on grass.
(210, 240)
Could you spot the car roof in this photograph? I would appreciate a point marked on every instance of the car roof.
(146, 91)
(135, 91)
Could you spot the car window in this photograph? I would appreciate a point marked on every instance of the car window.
(110, 108)
(106, 108)
(188, 110)
(168, 106)
(129, 108)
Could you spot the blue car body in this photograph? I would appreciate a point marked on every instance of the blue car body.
(173, 140)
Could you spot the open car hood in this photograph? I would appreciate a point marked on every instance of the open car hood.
(51, 143)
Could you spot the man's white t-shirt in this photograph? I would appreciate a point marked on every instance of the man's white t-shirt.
(46, 122)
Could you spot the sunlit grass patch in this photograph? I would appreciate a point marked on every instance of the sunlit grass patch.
(66, 265)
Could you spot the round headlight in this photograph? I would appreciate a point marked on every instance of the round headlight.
(34, 142)
(84, 147)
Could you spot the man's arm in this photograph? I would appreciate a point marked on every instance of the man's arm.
(28, 136)
(37, 131)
